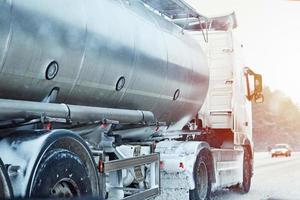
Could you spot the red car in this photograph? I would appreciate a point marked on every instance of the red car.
(281, 150)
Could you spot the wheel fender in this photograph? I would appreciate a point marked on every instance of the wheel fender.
(25, 149)
(187, 150)
(194, 148)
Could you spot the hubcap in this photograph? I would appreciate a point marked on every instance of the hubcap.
(65, 188)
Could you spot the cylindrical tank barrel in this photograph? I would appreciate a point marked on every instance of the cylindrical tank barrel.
(108, 53)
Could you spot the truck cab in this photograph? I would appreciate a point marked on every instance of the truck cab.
(227, 111)
(221, 133)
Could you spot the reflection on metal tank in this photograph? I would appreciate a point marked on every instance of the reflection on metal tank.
(108, 53)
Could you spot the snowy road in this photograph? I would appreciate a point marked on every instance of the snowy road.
(274, 178)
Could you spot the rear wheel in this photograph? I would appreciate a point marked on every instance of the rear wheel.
(247, 171)
(5, 186)
(61, 173)
(202, 178)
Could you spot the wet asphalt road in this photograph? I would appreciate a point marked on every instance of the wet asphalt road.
(274, 179)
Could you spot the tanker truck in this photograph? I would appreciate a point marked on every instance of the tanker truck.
(122, 99)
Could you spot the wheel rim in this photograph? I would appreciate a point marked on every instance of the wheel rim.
(65, 188)
(202, 177)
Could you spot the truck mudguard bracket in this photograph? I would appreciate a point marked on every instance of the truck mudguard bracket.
(116, 165)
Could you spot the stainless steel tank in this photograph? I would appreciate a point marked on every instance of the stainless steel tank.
(104, 53)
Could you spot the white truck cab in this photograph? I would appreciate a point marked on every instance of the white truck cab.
(217, 151)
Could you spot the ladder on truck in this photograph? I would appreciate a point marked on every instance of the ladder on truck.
(220, 49)
(228, 161)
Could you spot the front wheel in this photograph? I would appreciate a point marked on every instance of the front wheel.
(247, 171)
(202, 178)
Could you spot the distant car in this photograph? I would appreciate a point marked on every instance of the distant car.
(281, 150)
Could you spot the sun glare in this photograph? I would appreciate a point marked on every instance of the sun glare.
(270, 33)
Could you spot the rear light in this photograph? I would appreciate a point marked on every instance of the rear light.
(48, 126)
(181, 165)
(103, 126)
(101, 166)
(161, 164)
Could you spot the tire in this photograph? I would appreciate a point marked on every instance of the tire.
(61, 173)
(247, 171)
(5, 186)
(202, 169)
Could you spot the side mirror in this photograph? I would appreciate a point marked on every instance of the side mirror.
(254, 86)
(258, 89)
(259, 98)
(258, 84)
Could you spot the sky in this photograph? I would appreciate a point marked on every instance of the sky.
(270, 33)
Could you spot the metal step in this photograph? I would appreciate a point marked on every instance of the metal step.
(228, 166)
(220, 155)
(144, 195)
(221, 112)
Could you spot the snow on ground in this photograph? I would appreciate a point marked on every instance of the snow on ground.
(274, 178)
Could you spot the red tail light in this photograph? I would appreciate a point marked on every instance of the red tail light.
(101, 166)
(181, 165)
(161, 164)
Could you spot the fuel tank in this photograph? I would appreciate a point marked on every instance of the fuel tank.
(102, 53)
